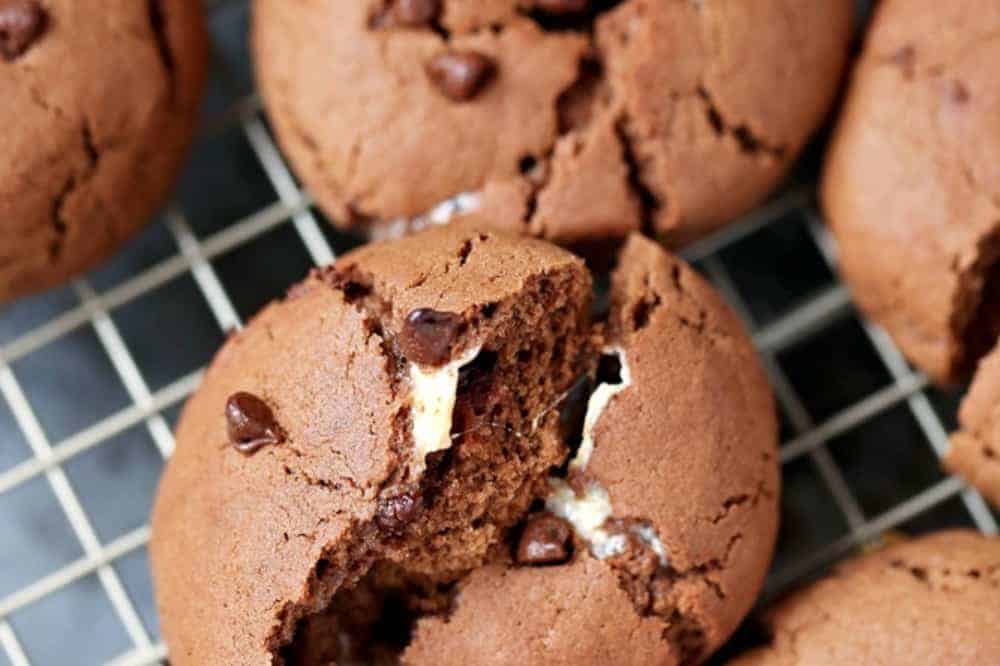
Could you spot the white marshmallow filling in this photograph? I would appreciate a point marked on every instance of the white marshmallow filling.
(596, 405)
(588, 514)
(441, 214)
(432, 405)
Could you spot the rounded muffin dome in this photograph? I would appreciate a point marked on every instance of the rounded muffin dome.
(911, 189)
(932, 600)
(575, 121)
(98, 110)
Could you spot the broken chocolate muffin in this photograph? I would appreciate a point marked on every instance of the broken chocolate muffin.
(416, 388)
(401, 427)
(671, 495)
(911, 189)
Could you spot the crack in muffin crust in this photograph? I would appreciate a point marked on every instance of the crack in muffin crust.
(612, 102)
(62, 195)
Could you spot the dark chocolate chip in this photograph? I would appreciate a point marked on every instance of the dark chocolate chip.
(562, 6)
(906, 59)
(545, 540)
(429, 335)
(460, 75)
(959, 93)
(395, 513)
(415, 13)
(21, 24)
(251, 423)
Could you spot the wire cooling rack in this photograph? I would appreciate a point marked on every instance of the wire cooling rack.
(92, 377)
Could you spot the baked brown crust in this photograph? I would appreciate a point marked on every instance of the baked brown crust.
(675, 116)
(565, 615)
(97, 116)
(932, 600)
(911, 190)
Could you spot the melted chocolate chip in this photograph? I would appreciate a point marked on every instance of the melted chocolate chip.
(562, 6)
(545, 540)
(460, 75)
(429, 335)
(415, 13)
(251, 423)
(395, 513)
(21, 24)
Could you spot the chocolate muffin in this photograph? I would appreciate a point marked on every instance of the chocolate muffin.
(975, 448)
(911, 189)
(574, 120)
(358, 455)
(932, 600)
(671, 496)
(98, 110)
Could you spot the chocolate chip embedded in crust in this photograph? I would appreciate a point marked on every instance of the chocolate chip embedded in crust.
(562, 6)
(545, 541)
(251, 423)
(395, 513)
(21, 24)
(460, 75)
(429, 335)
(415, 12)
(958, 92)
(906, 59)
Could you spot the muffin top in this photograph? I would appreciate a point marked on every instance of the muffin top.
(911, 188)
(570, 119)
(98, 110)
(932, 600)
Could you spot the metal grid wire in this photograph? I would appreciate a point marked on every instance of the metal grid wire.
(834, 500)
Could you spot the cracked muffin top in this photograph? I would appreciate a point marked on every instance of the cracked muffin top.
(435, 412)
(932, 600)
(98, 110)
(574, 120)
(912, 190)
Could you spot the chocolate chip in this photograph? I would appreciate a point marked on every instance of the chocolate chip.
(460, 75)
(251, 423)
(429, 335)
(959, 93)
(545, 540)
(415, 13)
(562, 6)
(906, 59)
(21, 23)
(395, 513)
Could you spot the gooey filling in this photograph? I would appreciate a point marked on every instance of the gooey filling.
(433, 397)
(589, 513)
